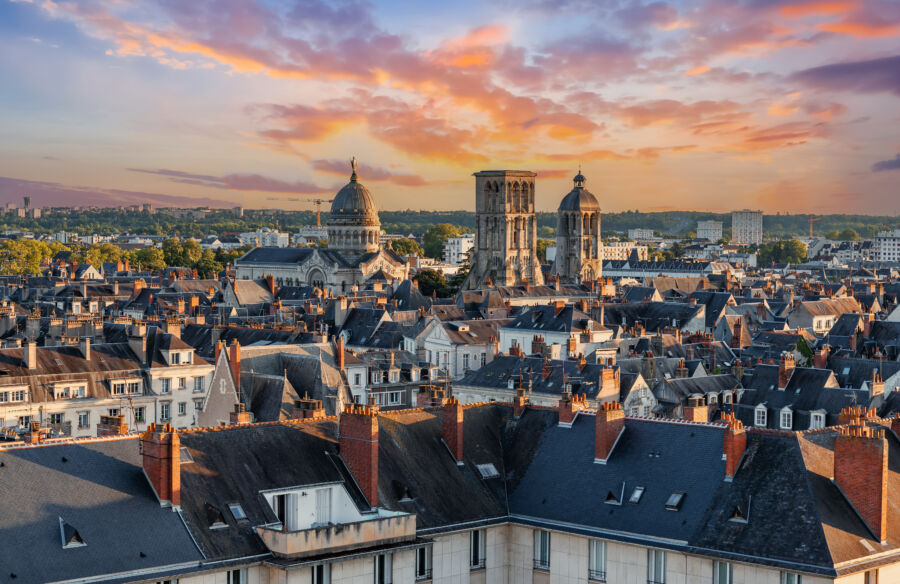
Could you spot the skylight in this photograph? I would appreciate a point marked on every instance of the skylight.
(636, 495)
(488, 471)
(237, 511)
(186, 455)
(673, 503)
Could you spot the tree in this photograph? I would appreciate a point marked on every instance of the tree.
(782, 252)
(208, 266)
(150, 258)
(456, 280)
(173, 252)
(406, 247)
(435, 238)
(432, 281)
(23, 256)
(542, 249)
(546, 231)
(191, 252)
(833, 235)
(848, 234)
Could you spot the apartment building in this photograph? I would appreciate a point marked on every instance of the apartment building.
(457, 248)
(887, 246)
(746, 227)
(711, 230)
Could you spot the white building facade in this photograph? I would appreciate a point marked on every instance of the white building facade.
(887, 246)
(746, 227)
(456, 248)
(711, 230)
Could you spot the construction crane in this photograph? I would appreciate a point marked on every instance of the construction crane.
(811, 221)
(318, 203)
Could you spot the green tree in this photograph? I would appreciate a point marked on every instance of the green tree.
(782, 252)
(542, 249)
(456, 280)
(191, 252)
(848, 234)
(23, 257)
(173, 252)
(150, 258)
(546, 231)
(431, 281)
(833, 234)
(208, 266)
(406, 246)
(435, 238)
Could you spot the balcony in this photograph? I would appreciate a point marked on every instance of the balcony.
(382, 528)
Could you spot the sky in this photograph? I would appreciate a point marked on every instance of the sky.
(712, 105)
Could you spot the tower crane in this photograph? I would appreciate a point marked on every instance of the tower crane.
(811, 221)
(318, 203)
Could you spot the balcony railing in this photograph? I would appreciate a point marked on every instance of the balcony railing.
(597, 575)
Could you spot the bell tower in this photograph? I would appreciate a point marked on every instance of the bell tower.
(506, 230)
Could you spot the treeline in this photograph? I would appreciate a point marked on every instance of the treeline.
(417, 223)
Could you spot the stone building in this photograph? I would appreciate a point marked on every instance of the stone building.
(579, 254)
(506, 233)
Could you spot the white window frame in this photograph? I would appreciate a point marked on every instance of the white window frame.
(384, 569)
(723, 572)
(541, 549)
(791, 578)
(165, 411)
(236, 576)
(816, 420)
(321, 574)
(423, 562)
(165, 385)
(760, 417)
(84, 419)
(476, 549)
(656, 566)
(597, 560)
(786, 416)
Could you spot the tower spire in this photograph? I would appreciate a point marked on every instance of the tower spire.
(353, 168)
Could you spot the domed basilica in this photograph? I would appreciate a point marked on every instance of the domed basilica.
(354, 253)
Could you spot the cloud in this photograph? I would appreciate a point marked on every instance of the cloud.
(870, 76)
(238, 182)
(368, 173)
(57, 194)
(883, 165)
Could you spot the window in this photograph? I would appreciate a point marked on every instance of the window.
(712, 399)
(466, 361)
(182, 382)
(176, 358)
(84, 419)
(321, 574)
(238, 576)
(198, 405)
(871, 577)
(237, 511)
(483, 356)
(636, 495)
(673, 503)
(597, 560)
(723, 573)
(383, 571)
(165, 412)
(118, 388)
(78, 391)
(761, 417)
(114, 411)
(357, 379)
(139, 414)
(166, 385)
(791, 578)
(12, 396)
(787, 420)
(134, 387)
(182, 408)
(727, 398)
(541, 549)
(56, 419)
(423, 563)
(198, 384)
(656, 567)
(476, 549)
(816, 421)
(323, 506)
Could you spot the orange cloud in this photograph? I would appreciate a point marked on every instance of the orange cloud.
(698, 70)
(863, 29)
(827, 7)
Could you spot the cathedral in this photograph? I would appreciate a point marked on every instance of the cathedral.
(354, 253)
(506, 231)
(505, 251)
(579, 252)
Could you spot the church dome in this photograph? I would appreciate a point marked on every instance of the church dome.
(579, 198)
(354, 202)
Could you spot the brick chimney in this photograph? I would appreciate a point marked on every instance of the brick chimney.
(514, 349)
(161, 453)
(234, 361)
(569, 406)
(785, 369)
(860, 471)
(453, 417)
(538, 345)
(112, 426)
(520, 402)
(609, 426)
(308, 408)
(736, 334)
(137, 341)
(545, 369)
(138, 286)
(33, 435)
(358, 436)
(558, 306)
(734, 444)
(696, 410)
(876, 385)
(220, 346)
(84, 344)
(431, 396)
(30, 354)
(270, 283)
(682, 372)
(820, 358)
(572, 346)
(339, 353)
(240, 415)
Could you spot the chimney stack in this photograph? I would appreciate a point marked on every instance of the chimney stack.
(308, 408)
(234, 361)
(785, 369)
(112, 426)
(137, 341)
(30, 352)
(161, 453)
(860, 471)
(270, 283)
(696, 410)
(358, 430)
(84, 343)
(33, 435)
(240, 415)
(876, 385)
(609, 427)
(569, 406)
(734, 444)
(520, 402)
(453, 417)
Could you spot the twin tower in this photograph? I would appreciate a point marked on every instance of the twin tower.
(505, 251)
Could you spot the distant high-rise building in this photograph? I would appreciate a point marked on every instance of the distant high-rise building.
(887, 246)
(506, 230)
(711, 230)
(27, 202)
(746, 227)
(640, 234)
(238, 211)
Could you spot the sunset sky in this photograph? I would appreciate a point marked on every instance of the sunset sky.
(783, 105)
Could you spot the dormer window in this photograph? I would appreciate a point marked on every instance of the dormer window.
(787, 419)
(176, 358)
(816, 420)
(760, 417)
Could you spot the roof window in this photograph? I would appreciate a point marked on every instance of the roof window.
(70, 536)
(673, 503)
(488, 471)
(636, 495)
(237, 511)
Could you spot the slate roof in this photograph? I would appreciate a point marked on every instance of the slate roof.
(99, 488)
(652, 315)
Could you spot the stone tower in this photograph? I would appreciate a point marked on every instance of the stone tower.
(506, 230)
(579, 253)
